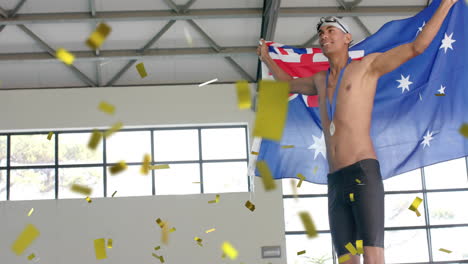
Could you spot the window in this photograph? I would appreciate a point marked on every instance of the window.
(408, 238)
(201, 160)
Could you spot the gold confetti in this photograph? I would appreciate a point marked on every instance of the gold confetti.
(172, 230)
(116, 127)
(265, 173)
(99, 35)
(254, 153)
(109, 243)
(154, 255)
(464, 130)
(25, 239)
(141, 70)
(250, 206)
(96, 137)
(119, 167)
(145, 167)
(31, 211)
(188, 37)
(65, 56)
(114, 193)
(315, 169)
(159, 167)
(49, 136)
(229, 250)
(301, 252)
(160, 222)
(216, 199)
(351, 248)
(414, 206)
(165, 234)
(210, 230)
(439, 94)
(294, 188)
(106, 108)
(32, 256)
(344, 258)
(89, 200)
(208, 82)
(196, 182)
(360, 247)
(161, 258)
(81, 189)
(100, 248)
(445, 250)
(272, 110)
(287, 146)
(302, 178)
(358, 181)
(243, 95)
(351, 197)
(308, 224)
(157, 248)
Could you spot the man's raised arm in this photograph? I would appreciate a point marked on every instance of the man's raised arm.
(388, 61)
(300, 85)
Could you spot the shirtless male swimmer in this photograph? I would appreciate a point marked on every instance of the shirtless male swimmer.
(350, 151)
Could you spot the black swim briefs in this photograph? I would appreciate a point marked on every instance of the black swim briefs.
(363, 218)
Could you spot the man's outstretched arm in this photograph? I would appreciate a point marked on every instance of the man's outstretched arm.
(300, 85)
(390, 60)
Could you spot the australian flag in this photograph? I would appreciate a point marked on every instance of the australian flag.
(418, 108)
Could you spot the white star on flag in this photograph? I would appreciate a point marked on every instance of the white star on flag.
(442, 89)
(447, 42)
(319, 146)
(427, 139)
(421, 28)
(404, 83)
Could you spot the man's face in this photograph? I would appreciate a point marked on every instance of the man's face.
(332, 39)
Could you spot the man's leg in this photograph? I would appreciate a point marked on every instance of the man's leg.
(374, 255)
(356, 259)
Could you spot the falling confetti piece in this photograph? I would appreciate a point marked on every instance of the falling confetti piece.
(216, 199)
(49, 136)
(172, 230)
(464, 130)
(359, 246)
(106, 108)
(119, 167)
(89, 200)
(315, 169)
(31, 211)
(165, 234)
(160, 222)
(157, 248)
(414, 206)
(250, 206)
(100, 248)
(344, 258)
(32, 256)
(25, 239)
(351, 248)
(287, 146)
(196, 182)
(99, 35)
(208, 82)
(294, 188)
(301, 252)
(109, 243)
(188, 37)
(154, 255)
(439, 94)
(159, 167)
(81, 189)
(243, 95)
(141, 70)
(445, 250)
(65, 56)
(229, 250)
(161, 258)
(94, 140)
(302, 178)
(358, 181)
(267, 179)
(272, 110)
(116, 127)
(351, 197)
(114, 193)
(308, 224)
(210, 230)
(145, 167)
(254, 153)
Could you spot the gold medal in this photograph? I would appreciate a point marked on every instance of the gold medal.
(332, 128)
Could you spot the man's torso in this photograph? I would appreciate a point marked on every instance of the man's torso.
(351, 141)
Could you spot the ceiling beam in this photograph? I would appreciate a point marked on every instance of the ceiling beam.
(207, 14)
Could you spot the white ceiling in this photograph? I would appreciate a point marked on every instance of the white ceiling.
(133, 34)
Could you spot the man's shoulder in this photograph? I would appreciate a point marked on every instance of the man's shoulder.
(370, 57)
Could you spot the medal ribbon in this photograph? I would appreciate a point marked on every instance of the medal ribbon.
(331, 108)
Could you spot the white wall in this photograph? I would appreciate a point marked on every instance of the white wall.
(68, 227)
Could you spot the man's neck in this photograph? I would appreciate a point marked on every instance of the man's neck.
(338, 62)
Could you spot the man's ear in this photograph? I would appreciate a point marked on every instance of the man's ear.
(349, 38)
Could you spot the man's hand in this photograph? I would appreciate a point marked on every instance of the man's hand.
(262, 51)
